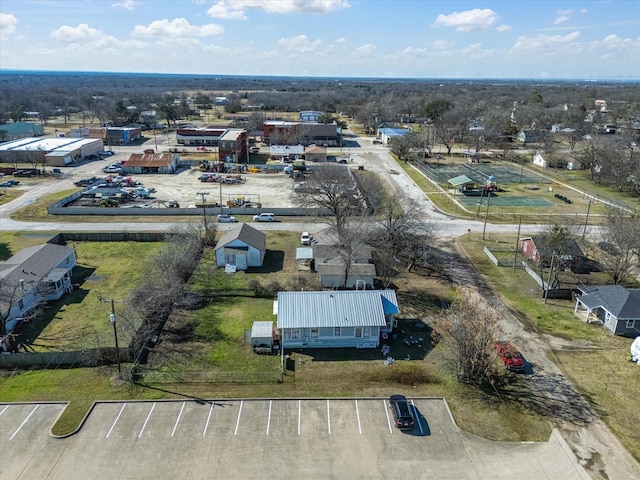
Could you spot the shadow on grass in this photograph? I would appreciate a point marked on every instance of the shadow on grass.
(5, 251)
(28, 333)
(273, 262)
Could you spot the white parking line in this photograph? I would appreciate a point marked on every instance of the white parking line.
(116, 420)
(238, 420)
(386, 410)
(178, 419)
(299, 413)
(206, 425)
(148, 417)
(269, 417)
(25, 421)
(415, 414)
(328, 418)
(358, 416)
(4, 409)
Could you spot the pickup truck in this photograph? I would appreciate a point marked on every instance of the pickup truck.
(512, 358)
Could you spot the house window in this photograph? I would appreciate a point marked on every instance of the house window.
(367, 332)
(358, 332)
(287, 334)
(336, 332)
(314, 333)
(631, 323)
(295, 333)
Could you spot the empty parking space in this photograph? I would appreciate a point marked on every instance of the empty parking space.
(306, 438)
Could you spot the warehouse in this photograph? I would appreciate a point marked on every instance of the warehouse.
(54, 152)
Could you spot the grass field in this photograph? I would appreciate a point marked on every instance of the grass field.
(598, 365)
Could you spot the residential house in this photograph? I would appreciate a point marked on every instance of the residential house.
(139, 163)
(335, 319)
(540, 161)
(533, 136)
(331, 268)
(617, 307)
(240, 248)
(568, 252)
(32, 276)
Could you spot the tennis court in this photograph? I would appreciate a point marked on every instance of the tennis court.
(504, 173)
(500, 201)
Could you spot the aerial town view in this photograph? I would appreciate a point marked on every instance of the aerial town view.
(320, 239)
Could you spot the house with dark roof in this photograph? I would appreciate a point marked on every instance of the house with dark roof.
(31, 277)
(568, 252)
(139, 163)
(617, 307)
(240, 248)
(335, 319)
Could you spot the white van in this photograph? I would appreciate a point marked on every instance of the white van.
(265, 217)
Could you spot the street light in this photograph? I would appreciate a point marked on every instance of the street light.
(112, 319)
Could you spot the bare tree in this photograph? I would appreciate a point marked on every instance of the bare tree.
(469, 329)
(621, 246)
(333, 188)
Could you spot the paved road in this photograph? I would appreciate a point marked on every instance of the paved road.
(246, 439)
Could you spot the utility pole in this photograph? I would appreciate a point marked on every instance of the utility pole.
(515, 256)
(112, 319)
(204, 210)
(584, 232)
(486, 215)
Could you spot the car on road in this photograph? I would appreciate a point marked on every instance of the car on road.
(305, 238)
(85, 182)
(402, 412)
(512, 358)
(225, 218)
(265, 217)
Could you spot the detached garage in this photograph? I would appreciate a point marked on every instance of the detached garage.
(140, 163)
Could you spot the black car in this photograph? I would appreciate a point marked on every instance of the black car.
(85, 182)
(402, 412)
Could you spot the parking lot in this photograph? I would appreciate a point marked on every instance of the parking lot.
(297, 438)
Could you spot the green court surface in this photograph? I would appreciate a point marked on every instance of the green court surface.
(500, 201)
(504, 173)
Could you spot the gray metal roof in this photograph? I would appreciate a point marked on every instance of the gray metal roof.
(262, 329)
(246, 234)
(343, 308)
(304, 253)
(622, 303)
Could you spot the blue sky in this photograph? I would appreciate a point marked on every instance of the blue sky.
(333, 38)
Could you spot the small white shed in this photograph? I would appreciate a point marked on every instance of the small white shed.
(262, 336)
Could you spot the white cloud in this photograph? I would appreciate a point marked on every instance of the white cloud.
(504, 28)
(544, 42)
(564, 12)
(177, 28)
(469, 20)
(561, 19)
(300, 44)
(82, 33)
(7, 24)
(226, 12)
(442, 44)
(126, 4)
(614, 42)
(341, 40)
(475, 51)
(366, 49)
(235, 9)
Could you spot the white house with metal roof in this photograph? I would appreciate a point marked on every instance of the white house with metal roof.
(335, 319)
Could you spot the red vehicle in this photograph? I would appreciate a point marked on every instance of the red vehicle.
(510, 355)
